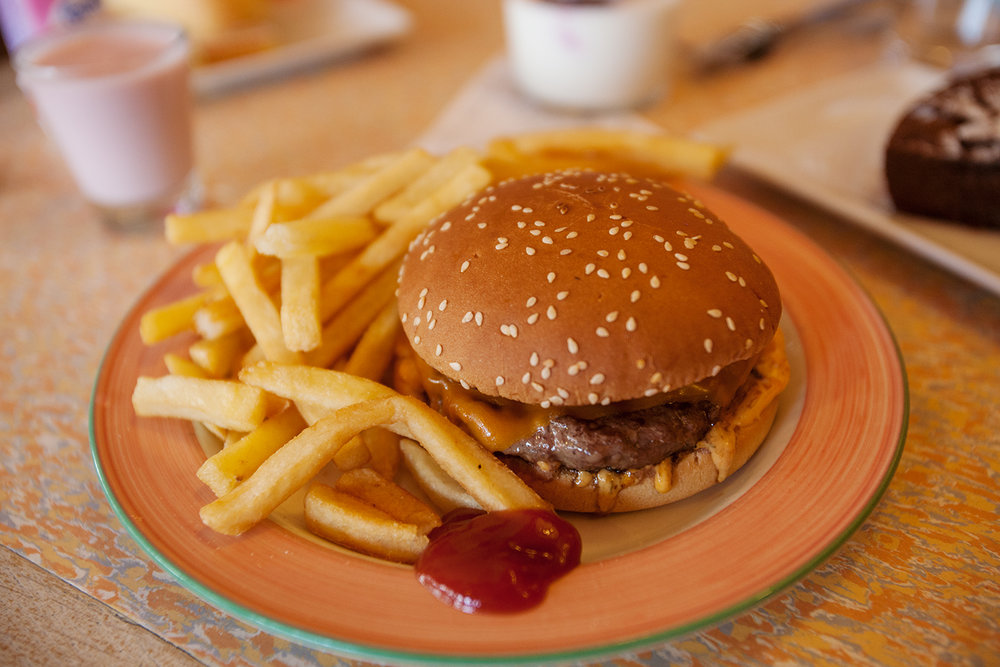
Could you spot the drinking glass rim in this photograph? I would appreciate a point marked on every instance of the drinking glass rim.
(24, 64)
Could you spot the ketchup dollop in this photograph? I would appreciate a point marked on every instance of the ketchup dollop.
(498, 562)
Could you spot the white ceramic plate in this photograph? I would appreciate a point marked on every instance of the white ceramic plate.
(825, 143)
(310, 34)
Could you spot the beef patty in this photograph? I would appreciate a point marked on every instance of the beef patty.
(620, 441)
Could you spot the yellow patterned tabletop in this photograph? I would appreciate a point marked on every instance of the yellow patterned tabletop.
(917, 584)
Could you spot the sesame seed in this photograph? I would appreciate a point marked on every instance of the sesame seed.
(572, 235)
(597, 378)
(530, 302)
(589, 268)
(532, 318)
(500, 380)
(550, 312)
(443, 305)
(561, 296)
(438, 350)
(602, 332)
(730, 324)
(455, 366)
(630, 324)
(529, 250)
(551, 277)
(603, 253)
(533, 359)
(683, 265)
(626, 272)
(731, 276)
(572, 346)
(708, 345)
(715, 312)
(479, 318)
(593, 398)
(464, 267)
(654, 282)
(612, 316)
(565, 251)
(603, 273)
(526, 378)
(634, 296)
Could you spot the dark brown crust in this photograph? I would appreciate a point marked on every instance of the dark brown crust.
(942, 159)
(581, 288)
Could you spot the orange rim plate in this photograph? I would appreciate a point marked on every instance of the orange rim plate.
(834, 448)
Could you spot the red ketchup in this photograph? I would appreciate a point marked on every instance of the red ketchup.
(499, 562)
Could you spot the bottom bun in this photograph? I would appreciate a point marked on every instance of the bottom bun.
(729, 444)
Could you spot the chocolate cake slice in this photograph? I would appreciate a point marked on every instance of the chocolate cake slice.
(943, 158)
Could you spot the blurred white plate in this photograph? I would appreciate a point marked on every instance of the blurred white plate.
(310, 34)
(825, 144)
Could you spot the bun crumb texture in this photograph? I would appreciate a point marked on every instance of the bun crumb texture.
(583, 288)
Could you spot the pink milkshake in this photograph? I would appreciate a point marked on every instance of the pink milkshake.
(115, 99)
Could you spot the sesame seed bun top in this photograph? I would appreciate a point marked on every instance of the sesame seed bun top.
(583, 288)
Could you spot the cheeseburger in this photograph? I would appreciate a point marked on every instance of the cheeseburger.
(608, 337)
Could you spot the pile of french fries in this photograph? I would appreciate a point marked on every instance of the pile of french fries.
(294, 368)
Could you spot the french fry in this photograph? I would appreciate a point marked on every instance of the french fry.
(299, 314)
(371, 487)
(419, 189)
(224, 403)
(259, 312)
(383, 451)
(219, 356)
(670, 154)
(365, 195)
(389, 246)
(263, 213)
(354, 454)
(443, 491)
(218, 318)
(291, 467)
(482, 475)
(373, 354)
(345, 520)
(327, 391)
(492, 484)
(225, 469)
(315, 237)
(342, 332)
(178, 365)
(209, 226)
(171, 319)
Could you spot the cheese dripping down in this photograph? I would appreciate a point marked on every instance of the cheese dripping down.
(498, 423)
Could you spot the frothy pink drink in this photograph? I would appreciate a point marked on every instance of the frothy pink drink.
(115, 99)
